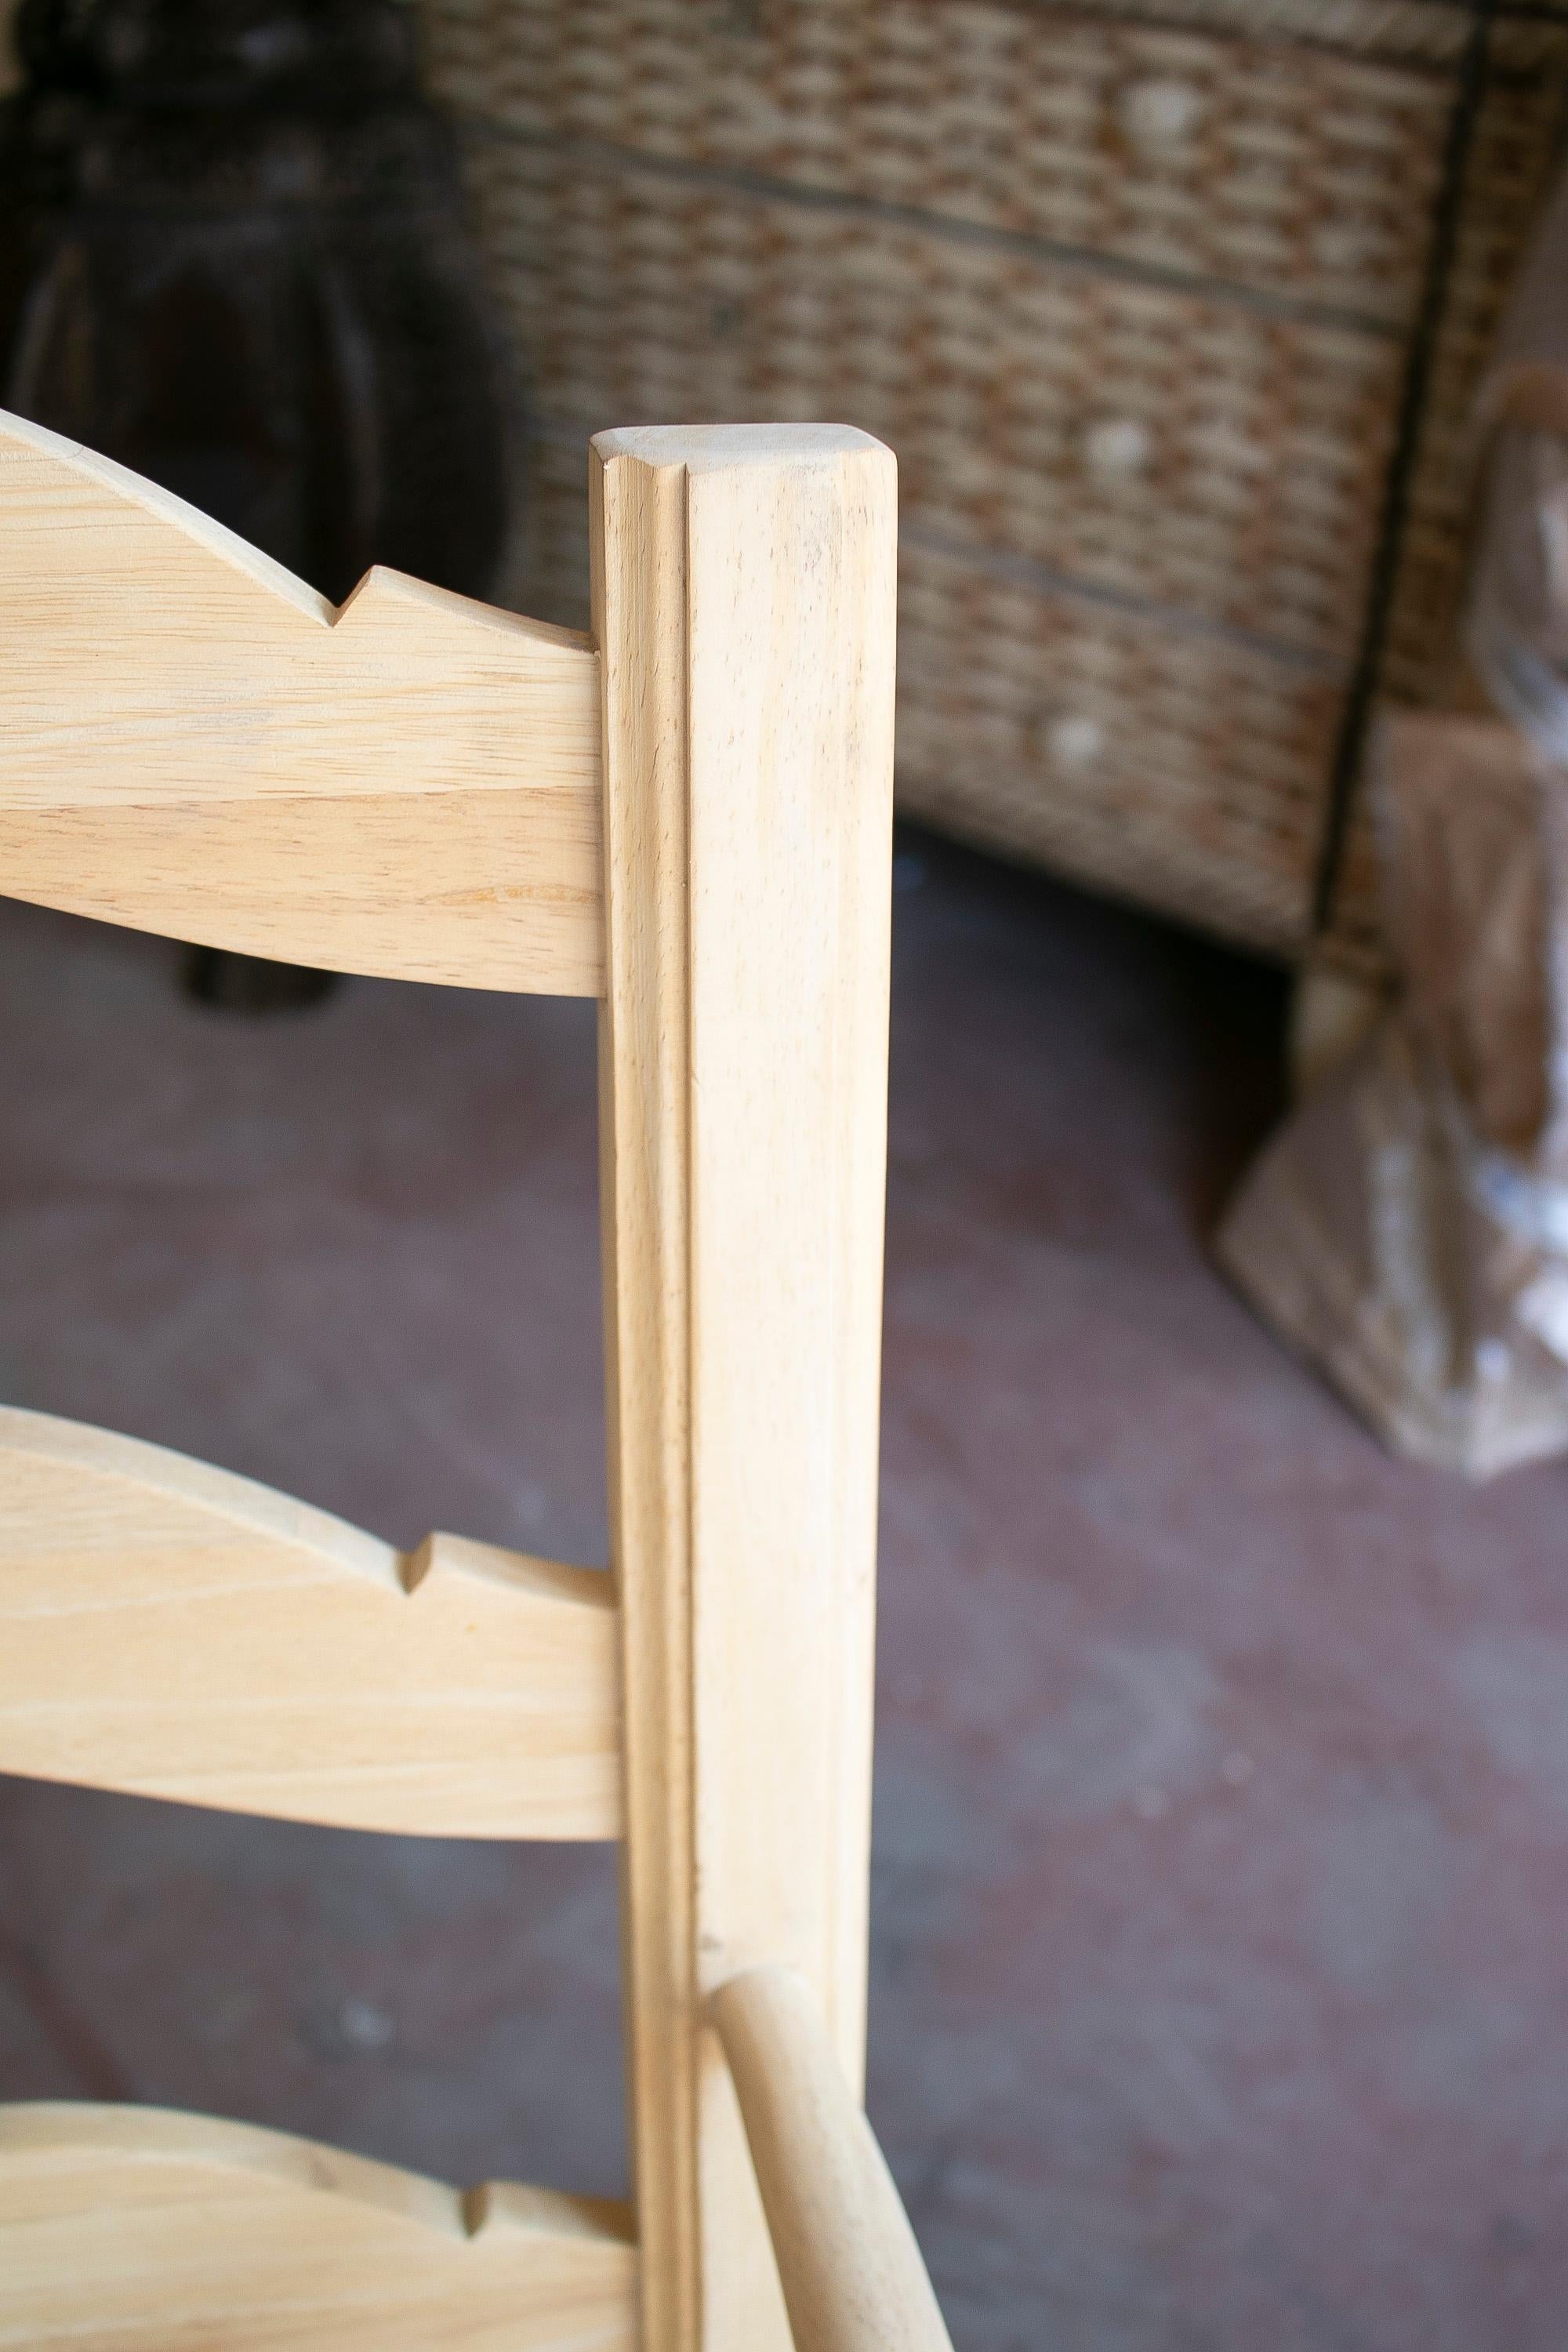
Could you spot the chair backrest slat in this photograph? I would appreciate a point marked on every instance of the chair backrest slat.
(136, 2229)
(192, 742)
(169, 1630)
(689, 816)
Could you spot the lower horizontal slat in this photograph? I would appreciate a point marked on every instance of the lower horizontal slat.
(172, 1630)
(136, 2230)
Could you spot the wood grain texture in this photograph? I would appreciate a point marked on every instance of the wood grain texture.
(135, 2230)
(172, 1631)
(853, 2277)
(743, 607)
(195, 742)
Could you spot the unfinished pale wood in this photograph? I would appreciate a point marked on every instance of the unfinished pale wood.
(174, 1631)
(743, 607)
(180, 1632)
(853, 2277)
(135, 2230)
(195, 742)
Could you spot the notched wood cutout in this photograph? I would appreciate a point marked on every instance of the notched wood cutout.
(172, 1631)
(136, 2230)
(192, 742)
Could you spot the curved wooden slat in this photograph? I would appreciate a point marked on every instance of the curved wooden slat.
(136, 2230)
(172, 1631)
(192, 742)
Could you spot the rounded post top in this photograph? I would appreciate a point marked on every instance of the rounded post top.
(722, 448)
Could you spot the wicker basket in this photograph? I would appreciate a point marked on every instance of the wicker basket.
(1148, 442)
(1128, 719)
(1302, 170)
(1134, 292)
(1139, 291)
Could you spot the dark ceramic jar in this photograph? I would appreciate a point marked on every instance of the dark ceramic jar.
(232, 256)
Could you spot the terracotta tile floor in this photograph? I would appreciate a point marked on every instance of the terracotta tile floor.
(1221, 1907)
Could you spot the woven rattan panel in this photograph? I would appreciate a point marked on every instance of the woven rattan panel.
(1132, 291)
(1435, 29)
(1133, 287)
(1515, 133)
(1300, 170)
(1131, 726)
(1170, 446)
(1513, 152)
(1164, 761)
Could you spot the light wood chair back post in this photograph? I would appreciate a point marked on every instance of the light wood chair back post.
(686, 816)
(743, 607)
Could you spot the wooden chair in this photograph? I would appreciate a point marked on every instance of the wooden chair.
(688, 817)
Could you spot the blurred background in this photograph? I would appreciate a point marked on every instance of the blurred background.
(1220, 1994)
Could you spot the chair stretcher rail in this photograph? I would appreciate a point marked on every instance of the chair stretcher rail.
(852, 2275)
